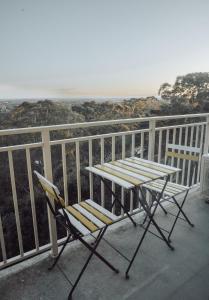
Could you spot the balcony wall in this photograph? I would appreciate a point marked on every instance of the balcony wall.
(62, 152)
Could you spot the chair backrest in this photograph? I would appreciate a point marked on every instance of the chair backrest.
(189, 153)
(185, 157)
(51, 190)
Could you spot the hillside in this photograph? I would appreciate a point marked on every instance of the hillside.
(52, 113)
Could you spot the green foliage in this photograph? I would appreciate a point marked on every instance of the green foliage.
(189, 94)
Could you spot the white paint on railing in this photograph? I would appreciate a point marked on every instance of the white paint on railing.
(184, 161)
(133, 136)
(190, 152)
(14, 196)
(151, 147)
(196, 146)
(166, 143)
(201, 147)
(90, 174)
(206, 144)
(142, 145)
(65, 175)
(173, 142)
(39, 129)
(48, 174)
(78, 175)
(102, 161)
(123, 156)
(113, 158)
(32, 198)
(159, 146)
(179, 150)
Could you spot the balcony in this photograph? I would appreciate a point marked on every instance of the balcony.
(27, 230)
(158, 273)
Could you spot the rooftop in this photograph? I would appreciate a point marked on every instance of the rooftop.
(157, 273)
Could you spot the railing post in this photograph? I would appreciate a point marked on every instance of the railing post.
(48, 174)
(151, 146)
(206, 142)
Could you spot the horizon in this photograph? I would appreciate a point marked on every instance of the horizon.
(78, 98)
(80, 49)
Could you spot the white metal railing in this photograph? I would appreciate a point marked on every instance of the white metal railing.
(148, 141)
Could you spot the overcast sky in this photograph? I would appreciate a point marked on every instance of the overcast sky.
(65, 48)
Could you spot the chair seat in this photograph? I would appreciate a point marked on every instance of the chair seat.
(88, 216)
(172, 189)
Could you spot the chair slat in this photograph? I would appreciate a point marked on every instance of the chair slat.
(112, 178)
(102, 210)
(96, 213)
(91, 217)
(183, 156)
(81, 218)
(184, 148)
(80, 227)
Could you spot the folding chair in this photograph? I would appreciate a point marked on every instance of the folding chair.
(79, 220)
(192, 156)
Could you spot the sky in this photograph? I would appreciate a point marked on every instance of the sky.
(67, 48)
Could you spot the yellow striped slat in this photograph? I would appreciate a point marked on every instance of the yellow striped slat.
(134, 169)
(96, 213)
(92, 227)
(182, 156)
(152, 166)
(110, 171)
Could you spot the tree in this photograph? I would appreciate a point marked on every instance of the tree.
(192, 88)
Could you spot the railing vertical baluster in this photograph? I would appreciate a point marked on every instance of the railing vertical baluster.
(200, 156)
(151, 148)
(178, 160)
(16, 209)
(2, 242)
(166, 144)
(142, 145)
(78, 175)
(64, 170)
(206, 143)
(133, 144)
(90, 173)
(184, 161)
(196, 145)
(32, 198)
(113, 158)
(48, 174)
(189, 165)
(123, 156)
(132, 154)
(102, 183)
(159, 146)
(173, 142)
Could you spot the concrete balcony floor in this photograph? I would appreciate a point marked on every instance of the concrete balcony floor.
(157, 273)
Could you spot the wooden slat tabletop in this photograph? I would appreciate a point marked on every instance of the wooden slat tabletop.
(132, 172)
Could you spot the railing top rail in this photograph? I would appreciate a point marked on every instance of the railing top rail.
(39, 129)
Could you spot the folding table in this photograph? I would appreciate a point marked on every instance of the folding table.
(131, 173)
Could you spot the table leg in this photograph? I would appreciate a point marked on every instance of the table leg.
(117, 200)
(151, 220)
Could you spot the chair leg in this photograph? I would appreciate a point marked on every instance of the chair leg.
(97, 254)
(58, 257)
(150, 215)
(93, 251)
(159, 203)
(177, 216)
